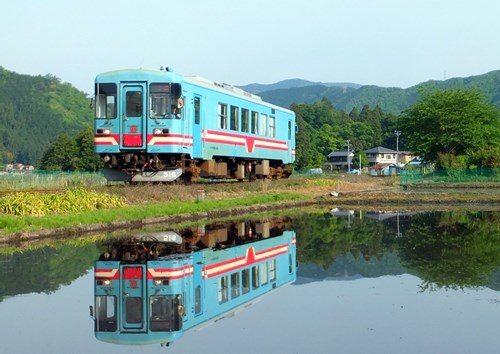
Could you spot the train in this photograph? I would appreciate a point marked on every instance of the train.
(152, 288)
(160, 126)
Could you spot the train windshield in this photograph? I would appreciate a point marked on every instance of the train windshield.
(105, 316)
(105, 101)
(165, 101)
(166, 313)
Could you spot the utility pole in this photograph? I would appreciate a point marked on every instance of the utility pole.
(398, 133)
(348, 160)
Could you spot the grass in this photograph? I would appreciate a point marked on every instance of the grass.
(10, 224)
(157, 201)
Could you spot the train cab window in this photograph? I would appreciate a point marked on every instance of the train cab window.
(234, 118)
(245, 120)
(165, 101)
(263, 124)
(105, 315)
(255, 123)
(166, 313)
(245, 279)
(222, 116)
(289, 130)
(134, 104)
(272, 126)
(255, 277)
(235, 285)
(223, 289)
(105, 101)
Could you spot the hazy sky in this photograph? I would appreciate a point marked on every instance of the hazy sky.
(378, 42)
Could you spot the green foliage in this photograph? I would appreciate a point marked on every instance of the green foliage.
(438, 244)
(72, 154)
(34, 110)
(453, 122)
(322, 129)
(70, 201)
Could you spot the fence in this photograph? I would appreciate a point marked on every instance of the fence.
(46, 180)
(481, 175)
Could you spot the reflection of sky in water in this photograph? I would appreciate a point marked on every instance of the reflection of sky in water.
(387, 314)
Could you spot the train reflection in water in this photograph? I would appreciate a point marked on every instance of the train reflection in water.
(152, 288)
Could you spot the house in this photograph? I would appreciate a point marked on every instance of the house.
(379, 169)
(337, 160)
(381, 155)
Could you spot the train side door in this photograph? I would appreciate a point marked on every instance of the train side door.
(133, 116)
(133, 305)
(291, 140)
(198, 126)
(198, 282)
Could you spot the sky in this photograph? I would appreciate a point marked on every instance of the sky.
(389, 43)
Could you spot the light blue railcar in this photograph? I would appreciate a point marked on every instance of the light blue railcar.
(151, 291)
(161, 126)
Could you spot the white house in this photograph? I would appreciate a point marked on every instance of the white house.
(381, 155)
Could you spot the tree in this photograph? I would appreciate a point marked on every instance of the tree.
(62, 155)
(72, 154)
(454, 121)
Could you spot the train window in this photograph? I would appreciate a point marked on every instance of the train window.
(223, 290)
(105, 101)
(263, 124)
(272, 126)
(164, 101)
(246, 280)
(264, 276)
(235, 285)
(255, 123)
(134, 104)
(255, 277)
(272, 270)
(233, 124)
(245, 120)
(197, 110)
(133, 309)
(165, 313)
(289, 130)
(105, 315)
(222, 116)
(197, 299)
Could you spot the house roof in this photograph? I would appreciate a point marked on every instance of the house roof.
(341, 153)
(380, 150)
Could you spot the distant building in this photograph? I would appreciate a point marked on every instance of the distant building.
(337, 160)
(381, 155)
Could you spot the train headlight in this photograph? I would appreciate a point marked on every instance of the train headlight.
(105, 131)
(160, 131)
(161, 281)
(104, 282)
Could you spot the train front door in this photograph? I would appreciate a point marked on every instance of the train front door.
(133, 308)
(133, 116)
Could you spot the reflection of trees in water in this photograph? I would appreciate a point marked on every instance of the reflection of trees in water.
(445, 249)
(44, 269)
(322, 238)
(453, 250)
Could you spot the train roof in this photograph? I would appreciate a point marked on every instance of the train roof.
(151, 75)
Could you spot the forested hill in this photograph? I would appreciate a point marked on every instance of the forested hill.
(391, 100)
(34, 110)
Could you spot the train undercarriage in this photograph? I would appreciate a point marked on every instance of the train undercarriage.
(135, 168)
